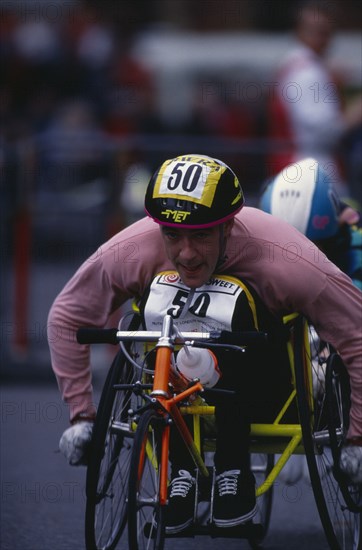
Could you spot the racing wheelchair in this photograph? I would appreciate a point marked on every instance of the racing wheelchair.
(128, 471)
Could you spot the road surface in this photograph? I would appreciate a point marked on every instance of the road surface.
(43, 499)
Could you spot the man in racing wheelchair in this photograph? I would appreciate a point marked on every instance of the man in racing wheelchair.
(201, 230)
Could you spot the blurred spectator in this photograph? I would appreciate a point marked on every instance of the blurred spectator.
(36, 41)
(31, 53)
(73, 181)
(352, 147)
(135, 175)
(73, 135)
(90, 43)
(73, 150)
(306, 112)
(131, 103)
(95, 46)
(222, 109)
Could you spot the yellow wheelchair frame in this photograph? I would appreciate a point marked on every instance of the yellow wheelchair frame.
(291, 432)
(142, 435)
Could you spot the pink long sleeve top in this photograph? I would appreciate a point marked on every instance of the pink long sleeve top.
(288, 272)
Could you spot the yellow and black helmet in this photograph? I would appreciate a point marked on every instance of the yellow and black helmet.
(193, 191)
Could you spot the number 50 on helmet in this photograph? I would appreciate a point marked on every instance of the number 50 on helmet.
(193, 191)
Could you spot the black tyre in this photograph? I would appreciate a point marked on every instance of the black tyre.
(146, 524)
(342, 526)
(338, 401)
(108, 468)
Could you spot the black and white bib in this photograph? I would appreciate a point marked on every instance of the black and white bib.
(223, 303)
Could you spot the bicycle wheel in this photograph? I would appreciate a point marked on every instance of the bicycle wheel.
(108, 469)
(342, 526)
(338, 402)
(146, 524)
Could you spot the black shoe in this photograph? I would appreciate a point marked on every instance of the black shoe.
(234, 499)
(181, 502)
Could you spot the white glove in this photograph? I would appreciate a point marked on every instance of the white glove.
(350, 463)
(75, 442)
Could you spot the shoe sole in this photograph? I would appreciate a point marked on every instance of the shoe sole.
(172, 530)
(233, 522)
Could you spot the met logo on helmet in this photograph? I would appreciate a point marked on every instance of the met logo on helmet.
(177, 216)
(193, 191)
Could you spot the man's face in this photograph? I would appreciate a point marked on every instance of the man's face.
(194, 252)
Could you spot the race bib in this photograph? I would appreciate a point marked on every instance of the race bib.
(210, 307)
(189, 176)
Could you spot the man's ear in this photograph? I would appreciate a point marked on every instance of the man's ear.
(228, 227)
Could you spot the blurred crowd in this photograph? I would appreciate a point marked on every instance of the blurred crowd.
(80, 128)
(72, 99)
(69, 88)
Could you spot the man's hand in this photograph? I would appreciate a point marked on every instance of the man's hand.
(75, 443)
